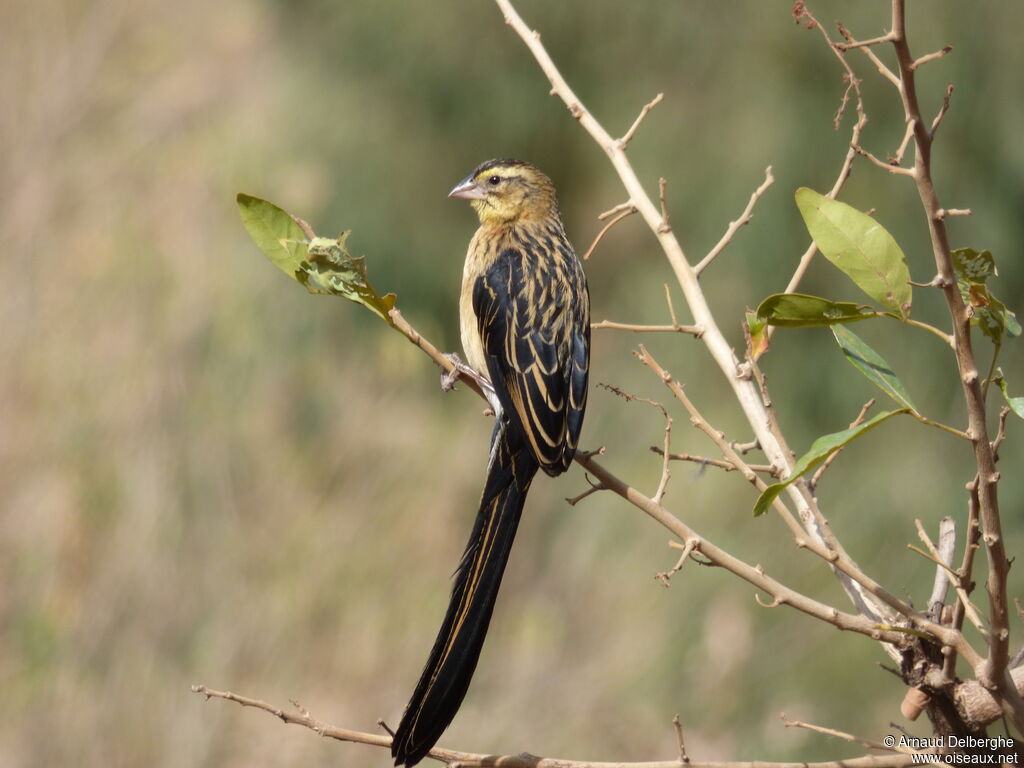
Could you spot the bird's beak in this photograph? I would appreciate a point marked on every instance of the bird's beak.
(467, 189)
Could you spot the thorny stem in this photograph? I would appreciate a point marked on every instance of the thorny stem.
(745, 391)
(993, 672)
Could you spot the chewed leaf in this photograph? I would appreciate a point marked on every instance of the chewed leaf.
(321, 264)
(973, 265)
(797, 310)
(860, 247)
(332, 270)
(820, 450)
(275, 232)
(973, 268)
(872, 365)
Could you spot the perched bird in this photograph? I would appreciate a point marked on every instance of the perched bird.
(525, 321)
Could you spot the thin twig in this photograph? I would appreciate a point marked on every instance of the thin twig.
(594, 488)
(944, 212)
(897, 159)
(728, 466)
(665, 577)
(525, 760)
(864, 43)
(942, 110)
(897, 169)
(887, 73)
(693, 330)
(604, 230)
(945, 564)
(842, 735)
(812, 484)
(992, 673)
(944, 551)
(636, 123)
(683, 757)
(852, 81)
(931, 56)
(664, 227)
(734, 226)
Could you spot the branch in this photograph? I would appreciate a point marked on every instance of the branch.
(629, 211)
(943, 560)
(693, 330)
(993, 672)
(734, 226)
(813, 483)
(944, 552)
(847, 166)
(719, 347)
(457, 759)
(636, 123)
(728, 466)
(842, 735)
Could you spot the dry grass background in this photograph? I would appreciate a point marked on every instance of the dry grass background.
(208, 476)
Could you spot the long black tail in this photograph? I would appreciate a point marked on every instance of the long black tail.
(449, 669)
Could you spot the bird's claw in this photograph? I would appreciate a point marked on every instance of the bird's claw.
(458, 370)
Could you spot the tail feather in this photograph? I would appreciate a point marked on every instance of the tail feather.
(445, 678)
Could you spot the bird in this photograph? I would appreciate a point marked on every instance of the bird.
(524, 313)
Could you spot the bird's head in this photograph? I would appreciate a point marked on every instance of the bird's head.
(503, 191)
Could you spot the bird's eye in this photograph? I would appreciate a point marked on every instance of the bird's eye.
(493, 181)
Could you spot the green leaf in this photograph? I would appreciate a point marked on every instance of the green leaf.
(757, 335)
(1016, 403)
(275, 232)
(860, 247)
(797, 310)
(972, 265)
(331, 269)
(872, 365)
(820, 450)
(973, 268)
(321, 264)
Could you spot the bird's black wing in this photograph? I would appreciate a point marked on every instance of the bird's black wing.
(533, 316)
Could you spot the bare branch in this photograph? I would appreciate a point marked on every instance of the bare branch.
(728, 466)
(993, 672)
(942, 110)
(623, 214)
(944, 552)
(897, 169)
(693, 330)
(594, 488)
(453, 757)
(812, 484)
(636, 123)
(944, 566)
(853, 82)
(665, 577)
(683, 758)
(842, 735)
(617, 209)
(931, 56)
(942, 213)
(663, 227)
(897, 159)
(719, 347)
(887, 73)
(734, 226)
(849, 46)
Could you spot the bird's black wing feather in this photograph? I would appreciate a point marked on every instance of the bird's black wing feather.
(533, 316)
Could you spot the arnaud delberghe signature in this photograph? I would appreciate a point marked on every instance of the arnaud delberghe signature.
(956, 742)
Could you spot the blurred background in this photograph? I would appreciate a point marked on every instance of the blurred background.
(209, 476)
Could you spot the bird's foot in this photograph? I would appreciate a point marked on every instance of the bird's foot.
(462, 370)
(459, 370)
